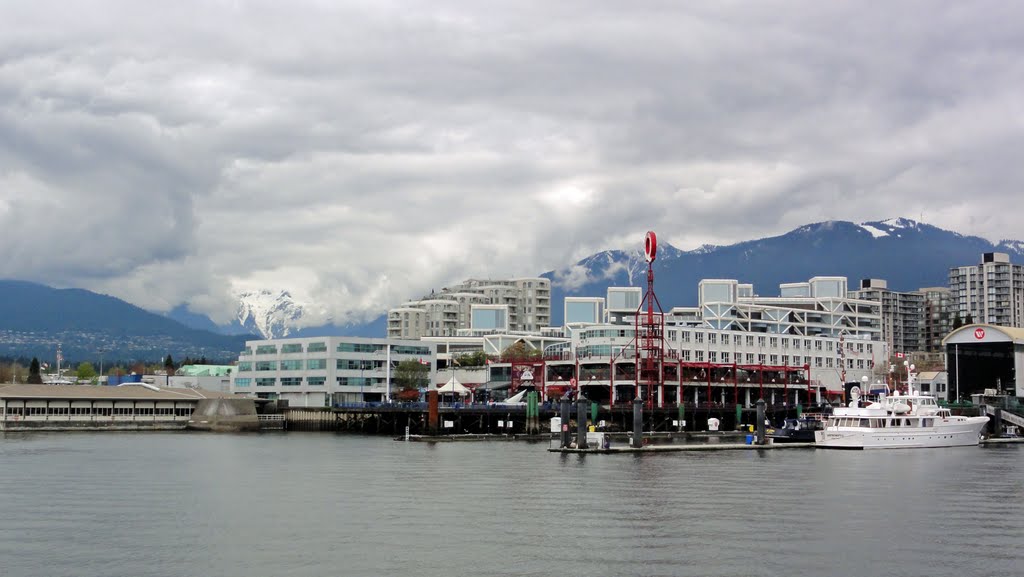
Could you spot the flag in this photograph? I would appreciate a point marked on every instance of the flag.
(422, 362)
(899, 355)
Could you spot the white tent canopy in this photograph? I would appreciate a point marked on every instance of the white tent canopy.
(453, 386)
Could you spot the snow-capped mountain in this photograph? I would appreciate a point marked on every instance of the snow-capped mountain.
(908, 254)
(269, 314)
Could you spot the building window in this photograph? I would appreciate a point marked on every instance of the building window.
(359, 348)
(266, 365)
(316, 364)
(266, 350)
(291, 381)
(292, 365)
(316, 348)
(316, 381)
(244, 367)
(265, 382)
(291, 348)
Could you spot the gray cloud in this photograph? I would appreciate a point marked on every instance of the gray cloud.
(362, 153)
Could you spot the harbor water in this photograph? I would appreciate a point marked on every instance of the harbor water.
(321, 504)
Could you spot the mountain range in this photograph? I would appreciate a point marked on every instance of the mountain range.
(908, 254)
(34, 318)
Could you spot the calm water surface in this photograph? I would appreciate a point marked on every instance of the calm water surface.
(113, 504)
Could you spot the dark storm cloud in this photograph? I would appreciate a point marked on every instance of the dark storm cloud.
(362, 153)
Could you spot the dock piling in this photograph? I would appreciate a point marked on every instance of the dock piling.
(566, 433)
(638, 423)
(581, 424)
(760, 421)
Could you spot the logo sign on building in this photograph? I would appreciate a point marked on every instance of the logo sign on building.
(979, 334)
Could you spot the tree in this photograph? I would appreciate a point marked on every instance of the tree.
(520, 350)
(474, 359)
(969, 320)
(957, 322)
(411, 376)
(34, 377)
(86, 372)
(169, 365)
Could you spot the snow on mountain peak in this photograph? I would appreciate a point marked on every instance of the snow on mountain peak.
(899, 222)
(271, 314)
(875, 232)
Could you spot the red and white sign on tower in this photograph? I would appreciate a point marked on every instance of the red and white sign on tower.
(650, 246)
(979, 333)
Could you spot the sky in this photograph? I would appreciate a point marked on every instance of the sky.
(360, 154)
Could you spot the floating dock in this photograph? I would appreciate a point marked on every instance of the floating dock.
(677, 448)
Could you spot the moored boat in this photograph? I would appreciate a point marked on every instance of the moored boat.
(799, 430)
(913, 420)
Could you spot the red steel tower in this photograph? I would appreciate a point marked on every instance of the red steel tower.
(650, 333)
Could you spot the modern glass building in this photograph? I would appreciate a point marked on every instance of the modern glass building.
(320, 371)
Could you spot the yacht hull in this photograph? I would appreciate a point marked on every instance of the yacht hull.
(955, 432)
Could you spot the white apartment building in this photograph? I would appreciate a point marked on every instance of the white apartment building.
(990, 292)
(903, 314)
(323, 371)
(474, 308)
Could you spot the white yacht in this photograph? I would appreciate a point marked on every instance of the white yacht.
(897, 421)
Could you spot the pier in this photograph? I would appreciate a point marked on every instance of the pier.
(483, 419)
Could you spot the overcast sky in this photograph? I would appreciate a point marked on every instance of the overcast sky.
(359, 154)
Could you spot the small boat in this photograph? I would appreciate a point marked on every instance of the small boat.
(799, 430)
(913, 420)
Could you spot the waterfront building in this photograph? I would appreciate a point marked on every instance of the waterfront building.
(475, 307)
(990, 292)
(902, 315)
(82, 407)
(935, 383)
(320, 371)
(983, 358)
(732, 348)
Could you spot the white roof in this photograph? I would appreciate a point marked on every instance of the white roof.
(453, 386)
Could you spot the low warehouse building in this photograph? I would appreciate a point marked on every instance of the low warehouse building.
(84, 407)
